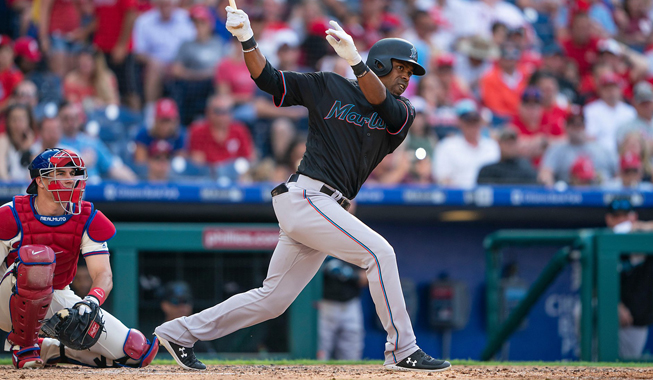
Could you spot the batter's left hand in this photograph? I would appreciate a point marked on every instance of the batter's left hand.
(343, 44)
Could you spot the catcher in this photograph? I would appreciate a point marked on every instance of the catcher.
(41, 237)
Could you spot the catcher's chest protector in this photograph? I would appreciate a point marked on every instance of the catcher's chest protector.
(65, 239)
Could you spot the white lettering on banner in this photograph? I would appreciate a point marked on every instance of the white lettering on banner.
(231, 195)
(112, 192)
(241, 238)
(367, 195)
(428, 196)
(517, 197)
(565, 307)
(484, 196)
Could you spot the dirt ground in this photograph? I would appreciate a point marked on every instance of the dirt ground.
(326, 372)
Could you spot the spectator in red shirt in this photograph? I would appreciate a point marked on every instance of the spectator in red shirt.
(554, 113)
(218, 139)
(10, 76)
(581, 45)
(114, 21)
(59, 33)
(534, 134)
(454, 86)
(233, 79)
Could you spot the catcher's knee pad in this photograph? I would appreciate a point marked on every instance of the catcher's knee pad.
(138, 347)
(31, 294)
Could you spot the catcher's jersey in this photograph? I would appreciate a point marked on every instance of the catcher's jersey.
(66, 258)
(347, 136)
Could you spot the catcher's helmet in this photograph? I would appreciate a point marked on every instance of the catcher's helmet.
(379, 59)
(44, 165)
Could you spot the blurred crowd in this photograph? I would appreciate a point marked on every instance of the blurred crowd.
(549, 92)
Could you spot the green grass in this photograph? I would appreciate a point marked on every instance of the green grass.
(7, 361)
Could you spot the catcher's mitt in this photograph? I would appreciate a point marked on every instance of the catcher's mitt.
(74, 330)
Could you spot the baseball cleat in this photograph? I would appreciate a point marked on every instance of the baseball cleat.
(28, 357)
(184, 356)
(421, 362)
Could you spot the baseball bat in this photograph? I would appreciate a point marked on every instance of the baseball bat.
(232, 3)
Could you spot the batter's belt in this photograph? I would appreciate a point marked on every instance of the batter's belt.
(283, 188)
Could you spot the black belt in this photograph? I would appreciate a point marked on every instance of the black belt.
(344, 202)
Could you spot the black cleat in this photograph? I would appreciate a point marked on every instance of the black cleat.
(421, 362)
(184, 356)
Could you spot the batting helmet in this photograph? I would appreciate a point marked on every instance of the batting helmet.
(44, 165)
(380, 57)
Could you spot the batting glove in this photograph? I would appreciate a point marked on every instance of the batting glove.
(343, 44)
(238, 24)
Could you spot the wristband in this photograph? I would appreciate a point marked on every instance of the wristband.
(360, 69)
(249, 45)
(99, 294)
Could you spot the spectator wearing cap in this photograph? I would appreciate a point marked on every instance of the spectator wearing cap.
(159, 155)
(501, 87)
(91, 83)
(195, 64)
(642, 123)
(631, 174)
(112, 31)
(559, 158)
(28, 57)
(474, 58)
(219, 139)
(454, 87)
(635, 309)
(535, 132)
(582, 45)
(100, 162)
(59, 24)
(627, 63)
(165, 127)
(158, 34)
(604, 115)
(459, 158)
(10, 76)
(582, 172)
(512, 168)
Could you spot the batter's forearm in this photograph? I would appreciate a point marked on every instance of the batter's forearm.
(255, 61)
(373, 89)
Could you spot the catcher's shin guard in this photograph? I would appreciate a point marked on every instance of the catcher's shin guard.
(31, 295)
(138, 348)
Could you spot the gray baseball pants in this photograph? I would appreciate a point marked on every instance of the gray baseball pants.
(313, 225)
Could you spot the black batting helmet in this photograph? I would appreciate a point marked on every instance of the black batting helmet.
(379, 59)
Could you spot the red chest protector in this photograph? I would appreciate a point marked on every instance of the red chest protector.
(65, 239)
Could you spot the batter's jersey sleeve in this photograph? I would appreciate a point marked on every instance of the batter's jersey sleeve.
(291, 88)
(397, 112)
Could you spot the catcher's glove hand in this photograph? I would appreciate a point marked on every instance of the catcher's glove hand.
(75, 327)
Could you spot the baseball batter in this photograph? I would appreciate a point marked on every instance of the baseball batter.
(354, 124)
(41, 237)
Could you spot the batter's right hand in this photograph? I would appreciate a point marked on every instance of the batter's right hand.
(238, 24)
(343, 44)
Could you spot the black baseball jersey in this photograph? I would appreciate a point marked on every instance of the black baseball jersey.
(347, 136)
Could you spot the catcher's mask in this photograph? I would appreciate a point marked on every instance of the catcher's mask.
(68, 189)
